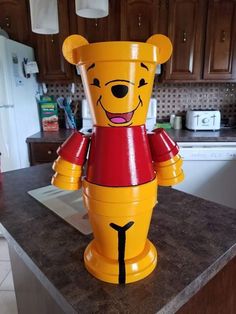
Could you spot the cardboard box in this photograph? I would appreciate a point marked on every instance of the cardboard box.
(48, 114)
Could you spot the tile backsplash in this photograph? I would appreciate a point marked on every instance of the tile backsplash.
(176, 97)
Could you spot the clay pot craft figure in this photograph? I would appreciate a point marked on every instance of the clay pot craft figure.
(125, 164)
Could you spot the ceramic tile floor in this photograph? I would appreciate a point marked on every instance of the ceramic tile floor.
(7, 293)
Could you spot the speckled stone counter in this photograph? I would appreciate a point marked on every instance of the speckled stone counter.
(195, 240)
(224, 135)
(49, 137)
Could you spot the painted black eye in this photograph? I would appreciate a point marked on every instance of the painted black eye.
(96, 82)
(142, 83)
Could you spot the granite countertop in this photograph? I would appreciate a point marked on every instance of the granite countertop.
(195, 240)
(50, 137)
(224, 135)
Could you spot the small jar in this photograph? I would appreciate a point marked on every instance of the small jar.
(178, 123)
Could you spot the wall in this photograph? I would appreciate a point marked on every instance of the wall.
(176, 97)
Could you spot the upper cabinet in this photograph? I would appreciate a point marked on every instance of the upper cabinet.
(14, 19)
(203, 33)
(139, 19)
(96, 30)
(220, 56)
(186, 30)
(52, 65)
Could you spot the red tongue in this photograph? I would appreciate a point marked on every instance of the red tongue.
(120, 117)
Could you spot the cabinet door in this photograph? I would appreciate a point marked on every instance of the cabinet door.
(139, 19)
(42, 152)
(220, 56)
(186, 29)
(52, 65)
(97, 30)
(14, 19)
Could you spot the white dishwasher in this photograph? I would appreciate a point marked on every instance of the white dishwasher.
(210, 171)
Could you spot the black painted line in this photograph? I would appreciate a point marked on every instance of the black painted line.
(121, 248)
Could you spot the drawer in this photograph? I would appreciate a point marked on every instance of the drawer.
(43, 152)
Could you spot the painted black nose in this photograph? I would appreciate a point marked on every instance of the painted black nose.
(119, 91)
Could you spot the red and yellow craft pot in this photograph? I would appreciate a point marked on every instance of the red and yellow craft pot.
(125, 165)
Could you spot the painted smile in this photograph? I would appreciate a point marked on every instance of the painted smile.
(120, 118)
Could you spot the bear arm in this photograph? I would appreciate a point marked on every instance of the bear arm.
(167, 161)
(69, 164)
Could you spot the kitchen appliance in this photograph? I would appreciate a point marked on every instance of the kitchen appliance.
(18, 107)
(210, 171)
(87, 120)
(203, 120)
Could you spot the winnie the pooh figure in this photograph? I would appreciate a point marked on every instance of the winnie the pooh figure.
(125, 164)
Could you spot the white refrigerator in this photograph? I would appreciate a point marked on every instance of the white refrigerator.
(19, 116)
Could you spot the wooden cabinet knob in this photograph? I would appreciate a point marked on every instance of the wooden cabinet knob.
(223, 34)
(139, 20)
(7, 20)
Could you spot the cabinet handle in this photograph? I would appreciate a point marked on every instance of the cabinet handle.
(223, 34)
(8, 23)
(49, 152)
(96, 23)
(184, 36)
(52, 39)
(139, 20)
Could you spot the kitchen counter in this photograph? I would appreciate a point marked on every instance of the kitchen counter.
(224, 135)
(49, 137)
(195, 240)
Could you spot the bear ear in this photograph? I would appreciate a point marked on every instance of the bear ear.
(70, 43)
(164, 44)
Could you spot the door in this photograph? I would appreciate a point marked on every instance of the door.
(220, 56)
(8, 136)
(210, 171)
(52, 65)
(14, 19)
(139, 19)
(97, 30)
(186, 30)
(23, 91)
(9, 149)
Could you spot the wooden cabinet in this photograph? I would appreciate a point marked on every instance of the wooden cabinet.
(42, 146)
(97, 30)
(220, 56)
(203, 34)
(217, 296)
(42, 152)
(14, 19)
(52, 65)
(186, 29)
(139, 19)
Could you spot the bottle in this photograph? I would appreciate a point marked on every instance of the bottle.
(172, 118)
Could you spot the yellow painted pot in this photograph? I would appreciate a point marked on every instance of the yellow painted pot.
(116, 214)
(117, 76)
